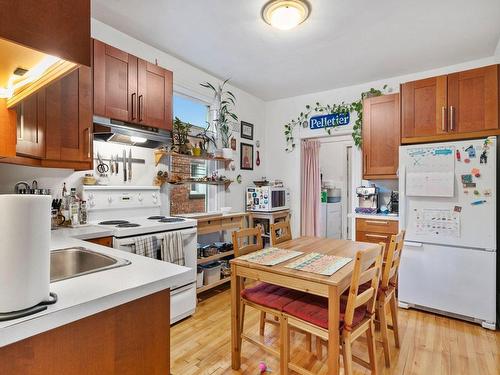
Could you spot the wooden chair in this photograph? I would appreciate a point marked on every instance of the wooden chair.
(256, 297)
(387, 293)
(357, 314)
(280, 232)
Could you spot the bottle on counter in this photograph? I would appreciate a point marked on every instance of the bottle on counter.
(74, 207)
(83, 212)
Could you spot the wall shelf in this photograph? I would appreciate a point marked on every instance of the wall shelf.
(215, 257)
(159, 154)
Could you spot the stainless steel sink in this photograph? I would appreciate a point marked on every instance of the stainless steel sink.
(78, 261)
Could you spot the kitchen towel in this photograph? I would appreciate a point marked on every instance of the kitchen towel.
(147, 246)
(172, 250)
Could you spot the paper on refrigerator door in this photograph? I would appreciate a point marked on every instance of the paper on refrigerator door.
(430, 184)
(436, 222)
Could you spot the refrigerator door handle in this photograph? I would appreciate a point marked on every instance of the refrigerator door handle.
(402, 194)
(413, 244)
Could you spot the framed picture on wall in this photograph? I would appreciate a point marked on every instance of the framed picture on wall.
(246, 156)
(247, 130)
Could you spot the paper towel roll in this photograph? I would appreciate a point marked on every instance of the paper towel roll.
(24, 251)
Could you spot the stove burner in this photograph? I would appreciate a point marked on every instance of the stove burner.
(158, 217)
(114, 222)
(171, 220)
(128, 225)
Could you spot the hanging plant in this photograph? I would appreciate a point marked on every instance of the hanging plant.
(319, 109)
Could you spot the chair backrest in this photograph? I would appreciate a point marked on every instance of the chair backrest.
(392, 259)
(367, 268)
(280, 232)
(255, 242)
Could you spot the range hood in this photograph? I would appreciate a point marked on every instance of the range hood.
(107, 130)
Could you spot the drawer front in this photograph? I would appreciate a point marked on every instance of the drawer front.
(104, 241)
(377, 226)
(231, 222)
(373, 237)
(209, 226)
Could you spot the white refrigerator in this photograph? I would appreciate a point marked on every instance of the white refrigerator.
(448, 209)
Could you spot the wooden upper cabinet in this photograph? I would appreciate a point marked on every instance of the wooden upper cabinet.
(473, 100)
(155, 86)
(381, 137)
(115, 83)
(457, 106)
(423, 105)
(130, 89)
(57, 27)
(31, 126)
(7, 131)
(69, 117)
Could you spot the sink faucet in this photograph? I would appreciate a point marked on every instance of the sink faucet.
(24, 184)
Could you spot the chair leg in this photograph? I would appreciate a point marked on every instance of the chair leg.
(384, 333)
(284, 345)
(394, 316)
(319, 348)
(372, 352)
(347, 353)
(262, 324)
(242, 323)
(308, 342)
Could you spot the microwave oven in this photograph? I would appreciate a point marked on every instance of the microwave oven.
(267, 199)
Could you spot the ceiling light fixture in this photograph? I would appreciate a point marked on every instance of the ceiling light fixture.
(285, 14)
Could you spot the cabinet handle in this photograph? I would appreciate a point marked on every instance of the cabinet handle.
(89, 143)
(133, 104)
(377, 222)
(365, 162)
(443, 118)
(375, 235)
(140, 107)
(452, 117)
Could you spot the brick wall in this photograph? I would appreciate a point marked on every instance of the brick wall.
(180, 203)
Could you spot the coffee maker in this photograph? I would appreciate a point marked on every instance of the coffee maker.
(368, 198)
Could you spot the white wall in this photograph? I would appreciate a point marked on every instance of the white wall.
(187, 80)
(286, 166)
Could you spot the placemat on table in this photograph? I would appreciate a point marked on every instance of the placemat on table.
(271, 256)
(319, 263)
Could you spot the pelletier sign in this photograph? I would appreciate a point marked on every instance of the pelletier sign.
(330, 120)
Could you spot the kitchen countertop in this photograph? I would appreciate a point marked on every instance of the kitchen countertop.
(87, 295)
(374, 216)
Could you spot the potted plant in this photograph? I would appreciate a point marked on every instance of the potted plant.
(181, 134)
(223, 114)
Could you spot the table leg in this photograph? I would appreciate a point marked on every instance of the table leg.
(333, 360)
(235, 319)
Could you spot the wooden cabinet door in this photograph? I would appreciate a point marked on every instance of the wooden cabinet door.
(69, 117)
(31, 126)
(155, 86)
(7, 131)
(473, 100)
(115, 83)
(381, 136)
(423, 108)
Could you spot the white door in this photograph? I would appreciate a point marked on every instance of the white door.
(451, 279)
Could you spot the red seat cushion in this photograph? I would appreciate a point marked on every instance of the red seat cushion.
(314, 309)
(272, 296)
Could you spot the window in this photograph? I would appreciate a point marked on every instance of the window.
(191, 111)
(190, 198)
(198, 170)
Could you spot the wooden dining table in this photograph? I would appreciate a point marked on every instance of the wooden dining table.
(330, 287)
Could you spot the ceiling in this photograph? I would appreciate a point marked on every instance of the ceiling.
(14, 55)
(344, 42)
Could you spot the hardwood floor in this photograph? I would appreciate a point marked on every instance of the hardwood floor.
(430, 345)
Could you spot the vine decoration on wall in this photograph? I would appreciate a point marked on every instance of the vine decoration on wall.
(319, 109)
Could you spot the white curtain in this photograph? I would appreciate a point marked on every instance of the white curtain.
(310, 189)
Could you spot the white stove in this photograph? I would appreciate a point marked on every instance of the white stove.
(134, 211)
